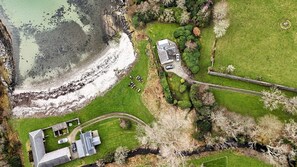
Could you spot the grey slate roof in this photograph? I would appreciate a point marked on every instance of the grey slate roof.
(59, 126)
(86, 144)
(166, 51)
(43, 159)
(37, 145)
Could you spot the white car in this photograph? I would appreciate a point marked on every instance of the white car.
(61, 141)
(177, 57)
(169, 67)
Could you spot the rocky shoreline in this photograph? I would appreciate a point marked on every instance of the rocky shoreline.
(84, 84)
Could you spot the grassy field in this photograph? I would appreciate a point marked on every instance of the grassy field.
(232, 159)
(120, 99)
(112, 136)
(256, 45)
(158, 31)
(248, 105)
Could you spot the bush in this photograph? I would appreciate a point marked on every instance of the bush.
(184, 104)
(182, 88)
(182, 81)
(191, 60)
(194, 96)
(15, 161)
(166, 89)
(135, 21)
(125, 124)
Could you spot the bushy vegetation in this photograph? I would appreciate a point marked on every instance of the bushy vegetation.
(172, 11)
(203, 101)
(165, 86)
(189, 45)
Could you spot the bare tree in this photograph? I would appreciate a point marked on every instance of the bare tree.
(275, 99)
(269, 129)
(181, 4)
(233, 124)
(167, 16)
(290, 131)
(272, 99)
(220, 10)
(230, 69)
(185, 17)
(167, 2)
(120, 155)
(171, 134)
(221, 23)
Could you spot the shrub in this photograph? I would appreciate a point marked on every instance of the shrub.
(135, 21)
(191, 59)
(184, 104)
(182, 88)
(125, 124)
(194, 96)
(166, 89)
(182, 81)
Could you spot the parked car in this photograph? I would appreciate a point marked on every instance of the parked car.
(74, 148)
(169, 67)
(61, 141)
(177, 57)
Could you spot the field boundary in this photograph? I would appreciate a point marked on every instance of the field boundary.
(261, 83)
(202, 165)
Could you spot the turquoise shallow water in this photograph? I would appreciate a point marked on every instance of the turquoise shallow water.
(53, 36)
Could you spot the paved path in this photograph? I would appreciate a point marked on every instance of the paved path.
(72, 135)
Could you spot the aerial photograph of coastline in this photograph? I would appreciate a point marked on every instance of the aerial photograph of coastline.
(148, 83)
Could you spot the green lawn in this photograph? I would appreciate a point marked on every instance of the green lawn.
(232, 159)
(245, 104)
(120, 99)
(158, 31)
(256, 45)
(220, 162)
(112, 136)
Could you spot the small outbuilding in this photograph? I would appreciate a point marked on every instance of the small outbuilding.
(60, 129)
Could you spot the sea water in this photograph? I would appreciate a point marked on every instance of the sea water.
(50, 37)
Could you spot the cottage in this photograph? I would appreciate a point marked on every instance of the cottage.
(167, 51)
(86, 144)
(43, 159)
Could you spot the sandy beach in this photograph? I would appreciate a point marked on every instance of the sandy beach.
(77, 88)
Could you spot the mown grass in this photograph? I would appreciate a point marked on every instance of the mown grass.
(233, 159)
(255, 43)
(120, 98)
(248, 105)
(112, 136)
(158, 31)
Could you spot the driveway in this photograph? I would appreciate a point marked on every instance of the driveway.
(72, 135)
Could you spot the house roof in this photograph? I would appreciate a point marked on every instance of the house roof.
(59, 126)
(86, 144)
(37, 145)
(166, 48)
(55, 158)
(43, 159)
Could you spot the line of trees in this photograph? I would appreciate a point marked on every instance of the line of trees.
(182, 12)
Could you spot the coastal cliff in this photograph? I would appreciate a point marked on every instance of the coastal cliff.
(9, 144)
